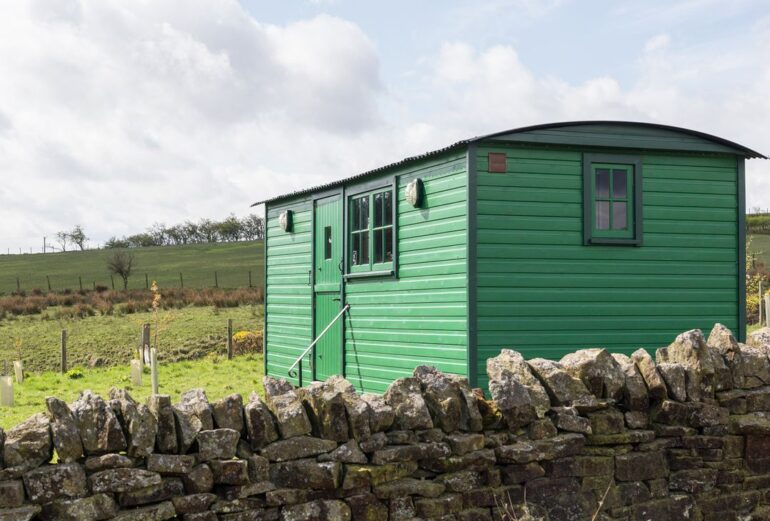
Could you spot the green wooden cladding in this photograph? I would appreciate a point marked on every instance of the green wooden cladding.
(499, 260)
(542, 292)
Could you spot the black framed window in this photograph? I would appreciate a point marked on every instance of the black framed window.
(372, 231)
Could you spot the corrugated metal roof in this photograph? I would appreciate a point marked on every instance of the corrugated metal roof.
(740, 149)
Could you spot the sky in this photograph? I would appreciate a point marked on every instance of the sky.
(117, 114)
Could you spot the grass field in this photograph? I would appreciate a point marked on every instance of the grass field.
(760, 246)
(186, 333)
(219, 377)
(197, 263)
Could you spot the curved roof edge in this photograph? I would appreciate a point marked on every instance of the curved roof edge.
(737, 148)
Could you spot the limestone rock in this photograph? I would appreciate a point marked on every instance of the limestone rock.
(65, 480)
(469, 403)
(286, 406)
(217, 444)
(381, 415)
(512, 400)
(656, 387)
(442, 397)
(317, 510)
(276, 386)
(100, 430)
(326, 410)
(64, 431)
(11, 493)
(759, 338)
(28, 444)
(93, 508)
(193, 503)
(635, 394)
(722, 342)
(349, 452)
(170, 464)
(167, 489)
(139, 425)
(567, 419)
(159, 406)
(675, 376)
(515, 364)
(200, 480)
(159, 512)
(195, 404)
(230, 472)
(297, 447)
(691, 351)
(755, 365)
(23, 513)
(260, 426)
(405, 397)
(598, 371)
(562, 387)
(122, 480)
(108, 461)
(228, 412)
(306, 473)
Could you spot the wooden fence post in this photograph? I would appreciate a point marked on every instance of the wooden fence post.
(250, 279)
(760, 303)
(18, 285)
(181, 280)
(216, 280)
(146, 282)
(229, 338)
(80, 282)
(63, 351)
(112, 281)
(48, 279)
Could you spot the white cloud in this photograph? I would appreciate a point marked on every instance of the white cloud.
(116, 115)
(119, 114)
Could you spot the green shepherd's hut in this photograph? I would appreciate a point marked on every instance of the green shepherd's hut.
(545, 239)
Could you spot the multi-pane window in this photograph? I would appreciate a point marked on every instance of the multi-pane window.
(611, 208)
(371, 231)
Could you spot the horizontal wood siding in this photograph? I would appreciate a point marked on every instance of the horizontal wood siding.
(288, 305)
(543, 293)
(421, 316)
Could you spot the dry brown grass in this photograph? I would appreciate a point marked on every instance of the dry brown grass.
(71, 304)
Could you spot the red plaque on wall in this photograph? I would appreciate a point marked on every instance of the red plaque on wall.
(496, 162)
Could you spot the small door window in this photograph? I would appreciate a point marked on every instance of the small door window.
(327, 242)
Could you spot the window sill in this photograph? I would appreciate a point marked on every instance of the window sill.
(369, 274)
(609, 241)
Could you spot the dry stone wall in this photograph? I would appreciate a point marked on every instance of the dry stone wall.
(594, 436)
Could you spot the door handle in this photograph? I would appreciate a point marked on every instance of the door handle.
(335, 300)
(309, 277)
(342, 266)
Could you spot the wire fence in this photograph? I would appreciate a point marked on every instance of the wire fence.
(224, 279)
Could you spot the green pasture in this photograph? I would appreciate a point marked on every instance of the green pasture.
(198, 264)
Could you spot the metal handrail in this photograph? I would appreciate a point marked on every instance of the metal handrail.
(292, 369)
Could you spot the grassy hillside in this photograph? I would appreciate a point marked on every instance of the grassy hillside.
(186, 333)
(196, 262)
(760, 246)
(219, 377)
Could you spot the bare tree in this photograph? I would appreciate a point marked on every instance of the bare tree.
(78, 237)
(63, 238)
(121, 263)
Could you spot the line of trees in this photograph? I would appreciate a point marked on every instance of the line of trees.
(230, 229)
